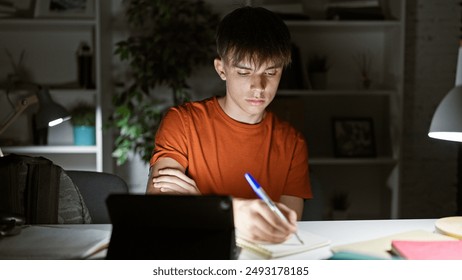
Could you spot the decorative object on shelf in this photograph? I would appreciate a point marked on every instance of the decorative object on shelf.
(355, 10)
(318, 67)
(85, 66)
(169, 40)
(315, 9)
(446, 123)
(353, 137)
(50, 114)
(16, 8)
(64, 9)
(287, 11)
(20, 74)
(364, 61)
(83, 121)
(340, 205)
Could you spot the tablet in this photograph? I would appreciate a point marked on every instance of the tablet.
(170, 227)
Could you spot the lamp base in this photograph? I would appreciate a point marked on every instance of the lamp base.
(40, 135)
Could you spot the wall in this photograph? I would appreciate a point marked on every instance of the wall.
(429, 166)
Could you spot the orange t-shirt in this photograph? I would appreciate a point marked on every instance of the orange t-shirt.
(217, 151)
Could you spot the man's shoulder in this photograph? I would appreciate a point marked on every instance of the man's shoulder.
(196, 106)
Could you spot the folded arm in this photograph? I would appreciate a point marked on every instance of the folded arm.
(167, 176)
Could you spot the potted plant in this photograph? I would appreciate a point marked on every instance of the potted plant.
(318, 66)
(168, 40)
(83, 122)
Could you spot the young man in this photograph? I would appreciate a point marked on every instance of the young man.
(206, 147)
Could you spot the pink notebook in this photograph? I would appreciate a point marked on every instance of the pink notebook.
(428, 250)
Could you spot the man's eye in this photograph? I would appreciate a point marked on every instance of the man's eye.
(272, 73)
(243, 73)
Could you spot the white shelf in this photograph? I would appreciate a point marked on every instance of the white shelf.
(50, 46)
(51, 149)
(343, 23)
(72, 91)
(49, 24)
(352, 161)
(306, 92)
(380, 43)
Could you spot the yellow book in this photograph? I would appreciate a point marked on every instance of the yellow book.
(289, 247)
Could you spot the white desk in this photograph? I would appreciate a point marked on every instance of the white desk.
(344, 232)
(339, 232)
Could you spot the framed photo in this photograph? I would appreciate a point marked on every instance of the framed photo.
(64, 8)
(353, 137)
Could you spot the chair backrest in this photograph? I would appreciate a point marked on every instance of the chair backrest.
(95, 187)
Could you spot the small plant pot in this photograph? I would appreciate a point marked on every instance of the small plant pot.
(84, 135)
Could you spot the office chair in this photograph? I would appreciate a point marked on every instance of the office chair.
(95, 187)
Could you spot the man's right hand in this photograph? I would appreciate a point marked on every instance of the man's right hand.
(256, 222)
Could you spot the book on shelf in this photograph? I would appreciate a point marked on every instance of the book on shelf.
(7, 9)
(355, 10)
(428, 250)
(289, 247)
(353, 3)
(288, 11)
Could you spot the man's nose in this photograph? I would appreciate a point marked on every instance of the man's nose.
(258, 85)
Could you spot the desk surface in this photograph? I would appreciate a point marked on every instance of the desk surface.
(339, 232)
(344, 232)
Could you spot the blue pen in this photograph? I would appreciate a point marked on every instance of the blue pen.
(264, 196)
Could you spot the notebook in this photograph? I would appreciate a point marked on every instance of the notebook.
(381, 247)
(171, 227)
(289, 247)
(428, 250)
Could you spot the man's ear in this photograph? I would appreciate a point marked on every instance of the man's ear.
(218, 63)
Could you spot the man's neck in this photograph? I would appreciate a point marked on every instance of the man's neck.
(237, 114)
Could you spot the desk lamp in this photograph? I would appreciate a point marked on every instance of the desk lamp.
(447, 122)
(50, 113)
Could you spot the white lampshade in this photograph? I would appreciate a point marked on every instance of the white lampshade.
(447, 120)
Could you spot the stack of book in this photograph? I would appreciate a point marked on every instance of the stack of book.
(355, 10)
(7, 9)
(402, 245)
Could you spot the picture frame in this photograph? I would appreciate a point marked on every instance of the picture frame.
(64, 9)
(353, 137)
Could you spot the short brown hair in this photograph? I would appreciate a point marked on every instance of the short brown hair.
(256, 34)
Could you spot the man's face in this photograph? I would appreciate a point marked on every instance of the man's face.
(250, 88)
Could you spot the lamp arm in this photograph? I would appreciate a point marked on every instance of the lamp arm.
(20, 107)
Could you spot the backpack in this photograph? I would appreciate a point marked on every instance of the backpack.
(39, 191)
